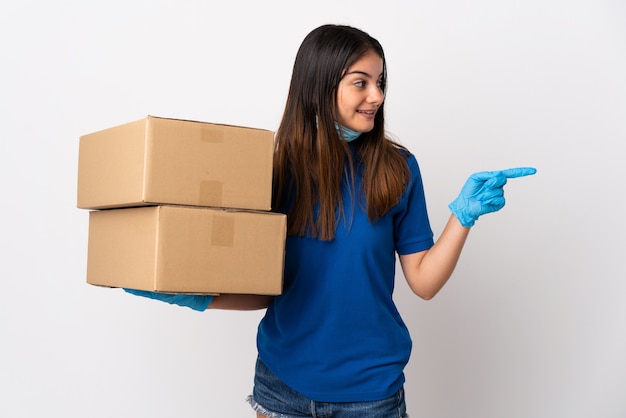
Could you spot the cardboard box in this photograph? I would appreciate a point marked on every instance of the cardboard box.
(186, 249)
(156, 161)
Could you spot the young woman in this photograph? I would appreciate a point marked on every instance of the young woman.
(333, 343)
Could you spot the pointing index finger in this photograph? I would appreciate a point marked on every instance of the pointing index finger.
(518, 172)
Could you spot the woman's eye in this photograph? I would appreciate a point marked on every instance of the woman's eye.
(359, 84)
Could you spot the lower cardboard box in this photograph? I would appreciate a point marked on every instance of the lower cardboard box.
(186, 249)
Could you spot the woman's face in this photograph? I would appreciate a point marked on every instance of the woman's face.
(360, 93)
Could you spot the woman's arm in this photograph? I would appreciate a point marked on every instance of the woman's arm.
(203, 302)
(427, 271)
(241, 302)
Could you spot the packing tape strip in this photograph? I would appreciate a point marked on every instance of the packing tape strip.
(209, 133)
(211, 192)
(223, 230)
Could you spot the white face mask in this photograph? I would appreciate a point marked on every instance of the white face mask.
(348, 134)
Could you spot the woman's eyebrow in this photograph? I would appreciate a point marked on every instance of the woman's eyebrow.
(363, 73)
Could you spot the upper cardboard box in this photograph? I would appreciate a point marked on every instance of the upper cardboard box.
(169, 161)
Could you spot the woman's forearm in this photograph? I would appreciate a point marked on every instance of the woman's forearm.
(428, 271)
(241, 302)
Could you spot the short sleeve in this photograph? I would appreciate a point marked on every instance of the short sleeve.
(411, 223)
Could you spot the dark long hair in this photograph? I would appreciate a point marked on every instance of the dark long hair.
(310, 160)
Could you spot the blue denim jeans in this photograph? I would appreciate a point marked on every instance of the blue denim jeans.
(273, 399)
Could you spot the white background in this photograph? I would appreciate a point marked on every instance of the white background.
(532, 324)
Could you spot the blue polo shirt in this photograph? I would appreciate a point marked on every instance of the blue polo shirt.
(335, 334)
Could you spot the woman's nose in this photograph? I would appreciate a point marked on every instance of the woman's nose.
(376, 95)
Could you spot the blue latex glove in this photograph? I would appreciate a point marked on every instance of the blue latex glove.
(195, 302)
(483, 193)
